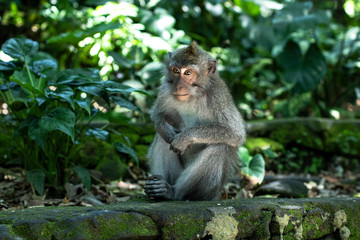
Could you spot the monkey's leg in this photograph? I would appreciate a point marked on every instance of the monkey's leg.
(167, 167)
(205, 176)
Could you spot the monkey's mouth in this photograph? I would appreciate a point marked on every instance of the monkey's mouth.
(181, 97)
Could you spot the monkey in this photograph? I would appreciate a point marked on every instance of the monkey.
(198, 130)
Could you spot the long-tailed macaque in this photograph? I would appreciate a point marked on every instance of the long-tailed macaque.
(199, 130)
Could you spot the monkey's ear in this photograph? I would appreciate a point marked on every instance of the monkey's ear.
(211, 67)
(192, 49)
(170, 54)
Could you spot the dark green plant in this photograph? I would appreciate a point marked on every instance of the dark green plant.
(50, 110)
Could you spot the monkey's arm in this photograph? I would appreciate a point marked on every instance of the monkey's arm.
(164, 125)
(209, 134)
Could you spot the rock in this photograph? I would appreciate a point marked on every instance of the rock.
(259, 219)
(284, 188)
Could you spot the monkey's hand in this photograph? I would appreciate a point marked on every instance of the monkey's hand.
(158, 188)
(180, 143)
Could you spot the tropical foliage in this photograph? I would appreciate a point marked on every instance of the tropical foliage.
(71, 69)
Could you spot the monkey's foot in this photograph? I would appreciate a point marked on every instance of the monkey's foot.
(158, 188)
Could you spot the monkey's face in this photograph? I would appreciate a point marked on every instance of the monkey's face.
(184, 81)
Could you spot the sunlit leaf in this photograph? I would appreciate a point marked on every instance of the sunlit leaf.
(252, 166)
(36, 178)
(84, 176)
(151, 73)
(76, 36)
(20, 47)
(62, 119)
(115, 87)
(121, 60)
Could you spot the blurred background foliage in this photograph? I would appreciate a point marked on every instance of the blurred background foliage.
(280, 58)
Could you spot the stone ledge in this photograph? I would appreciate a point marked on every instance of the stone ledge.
(325, 218)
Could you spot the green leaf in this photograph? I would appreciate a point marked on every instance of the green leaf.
(84, 176)
(257, 167)
(37, 133)
(78, 77)
(42, 66)
(98, 133)
(252, 166)
(76, 36)
(151, 73)
(125, 103)
(97, 91)
(20, 47)
(22, 78)
(121, 147)
(85, 104)
(36, 178)
(62, 92)
(270, 153)
(121, 60)
(304, 73)
(62, 119)
(115, 87)
(244, 156)
(8, 66)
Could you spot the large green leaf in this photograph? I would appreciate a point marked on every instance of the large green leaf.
(305, 73)
(95, 90)
(78, 76)
(84, 104)
(42, 66)
(22, 78)
(8, 66)
(62, 92)
(20, 47)
(76, 36)
(252, 166)
(36, 178)
(84, 176)
(122, 147)
(62, 119)
(115, 87)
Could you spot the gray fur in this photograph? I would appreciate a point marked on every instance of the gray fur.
(204, 132)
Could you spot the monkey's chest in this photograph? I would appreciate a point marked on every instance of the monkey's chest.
(189, 118)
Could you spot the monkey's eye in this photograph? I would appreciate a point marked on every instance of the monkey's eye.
(187, 72)
(175, 70)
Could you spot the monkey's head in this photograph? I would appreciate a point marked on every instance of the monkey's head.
(188, 72)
